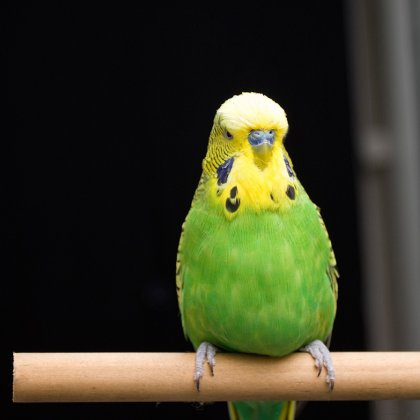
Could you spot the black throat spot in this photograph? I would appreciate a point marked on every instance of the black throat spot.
(290, 192)
(232, 204)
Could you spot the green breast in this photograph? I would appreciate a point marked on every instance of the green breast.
(258, 283)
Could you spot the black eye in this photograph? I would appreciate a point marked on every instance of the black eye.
(228, 135)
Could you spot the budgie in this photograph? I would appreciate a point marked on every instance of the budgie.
(255, 272)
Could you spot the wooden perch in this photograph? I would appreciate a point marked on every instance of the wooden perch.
(128, 377)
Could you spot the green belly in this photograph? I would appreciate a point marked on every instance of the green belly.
(258, 283)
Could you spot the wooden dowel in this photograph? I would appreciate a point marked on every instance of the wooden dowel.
(129, 377)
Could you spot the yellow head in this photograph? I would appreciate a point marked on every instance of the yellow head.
(250, 124)
(246, 165)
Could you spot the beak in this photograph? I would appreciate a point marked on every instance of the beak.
(262, 142)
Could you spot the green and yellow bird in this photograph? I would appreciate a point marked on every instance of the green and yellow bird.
(255, 269)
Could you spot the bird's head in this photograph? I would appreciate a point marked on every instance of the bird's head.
(251, 124)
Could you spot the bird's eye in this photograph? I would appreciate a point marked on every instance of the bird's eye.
(228, 135)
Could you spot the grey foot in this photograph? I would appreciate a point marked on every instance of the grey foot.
(205, 352)
(320, 353)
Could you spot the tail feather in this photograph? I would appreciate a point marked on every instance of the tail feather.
(262, 410)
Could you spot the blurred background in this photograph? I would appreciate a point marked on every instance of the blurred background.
(110, 110)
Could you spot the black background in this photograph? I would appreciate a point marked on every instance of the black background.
(111, 108)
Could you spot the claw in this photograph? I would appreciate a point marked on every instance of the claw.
(320, 353)
(211, 357)
(197, 378)
(205, 352)
(319, 366)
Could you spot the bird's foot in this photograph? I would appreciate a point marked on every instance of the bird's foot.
(205, 352)
(320, 353)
